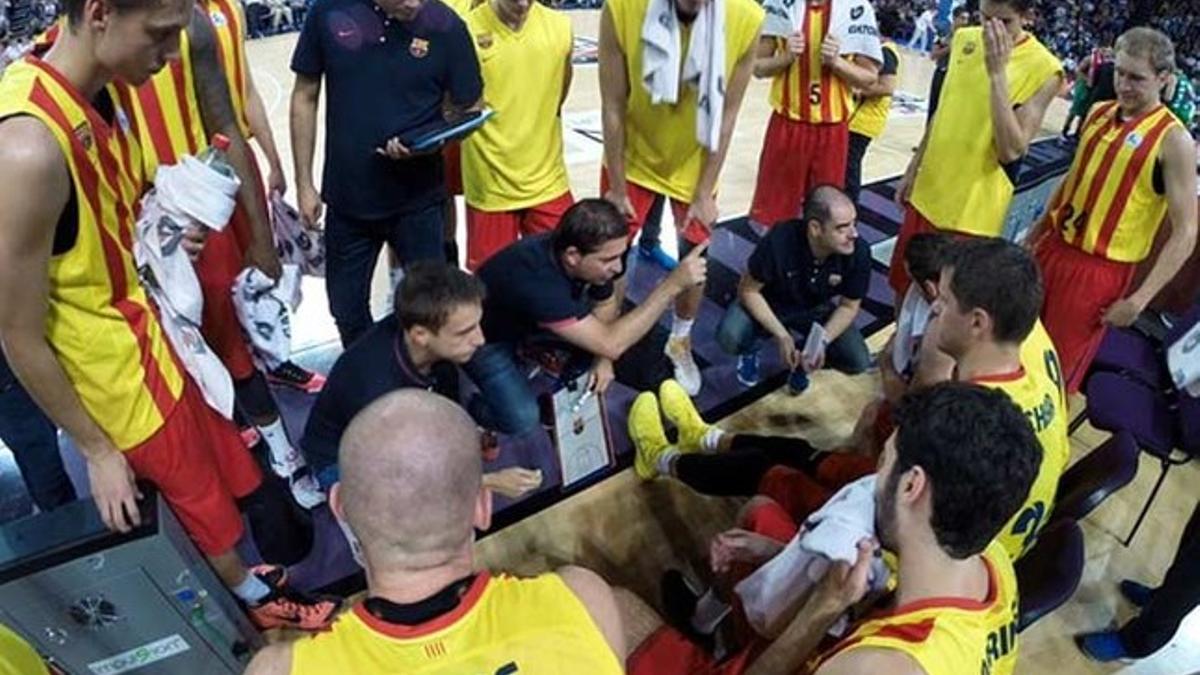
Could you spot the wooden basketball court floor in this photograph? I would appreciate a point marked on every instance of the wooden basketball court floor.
(631, 532)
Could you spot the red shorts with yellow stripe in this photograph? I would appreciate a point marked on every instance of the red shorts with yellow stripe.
(490, 231)
(1080, 287)
(199, 463)
(642, 199)
(797, 157)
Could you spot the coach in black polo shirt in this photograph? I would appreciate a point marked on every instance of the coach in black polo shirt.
(562, 292)
(792, 281)
(389, 66)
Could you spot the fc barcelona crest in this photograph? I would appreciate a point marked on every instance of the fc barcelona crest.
(418, 48)
(83, 134)
(484, 40)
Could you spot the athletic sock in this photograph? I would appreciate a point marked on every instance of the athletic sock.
(252, 590)
(681, 328)
(711, 441)
(277, 440)
(665, 460)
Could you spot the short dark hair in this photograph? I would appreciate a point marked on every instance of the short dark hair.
(960, 10)
(73, 9)
(818, 205)
(926, 254)
(888, 19)
(1022, 6)
(588, 225)
(1003, 280)
(431, 290)
(980, 454)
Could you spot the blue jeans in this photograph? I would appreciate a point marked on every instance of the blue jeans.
(739, 333)
(33, 440)
(352, 247)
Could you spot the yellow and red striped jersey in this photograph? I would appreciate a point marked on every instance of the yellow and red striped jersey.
(229, 24)
(1108, 205)
(807, 91)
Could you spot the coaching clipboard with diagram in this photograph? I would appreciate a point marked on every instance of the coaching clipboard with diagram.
(581, 435)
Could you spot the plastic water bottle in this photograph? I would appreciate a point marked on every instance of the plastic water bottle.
(216, 156)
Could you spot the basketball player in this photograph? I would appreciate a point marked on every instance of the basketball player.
(1000, 82)
(987, 330)
(1135, 164)
(875, 104)
(653, 148)
(807, 139)
(74, 321)
(177, 111)
(410, 497)
(513, 168)
(958, 466)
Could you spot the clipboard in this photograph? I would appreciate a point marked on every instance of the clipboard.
(432, 135)
(581, 435)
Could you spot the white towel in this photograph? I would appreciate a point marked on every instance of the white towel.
(264, 308)
(1183, 360)
(185, 195)
(297, 244)
(853, 24)
(832, 533)
(703, 67)
(910, 328)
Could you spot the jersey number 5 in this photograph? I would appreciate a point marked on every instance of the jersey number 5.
(814, 93)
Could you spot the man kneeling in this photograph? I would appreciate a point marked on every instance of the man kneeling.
(410, 498)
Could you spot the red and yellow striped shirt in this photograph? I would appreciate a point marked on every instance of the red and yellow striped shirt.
(807, 91)
(230, 27)
(1108, 205)
(102, 328)
(168, 114)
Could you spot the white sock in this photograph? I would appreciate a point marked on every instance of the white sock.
(711, 441)
(276, 437)
(252, 589)
(681, 328)
(665, 461)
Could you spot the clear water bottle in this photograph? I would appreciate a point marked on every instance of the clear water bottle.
(216, 156)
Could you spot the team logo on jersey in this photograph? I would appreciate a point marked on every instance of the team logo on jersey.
(835, 280)
(856, 13)
(1133, 140)
(484, 40)
(418, 48)
(83, 134)
(218, 19)
(969, 48)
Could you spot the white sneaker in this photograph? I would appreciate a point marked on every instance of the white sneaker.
(287, 465)
(687, 373)
(306, 492)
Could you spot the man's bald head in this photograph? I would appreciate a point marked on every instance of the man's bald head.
(410, 468)
(826, 204)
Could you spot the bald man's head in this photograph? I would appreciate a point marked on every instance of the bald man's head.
(830, 218)
(410, 479)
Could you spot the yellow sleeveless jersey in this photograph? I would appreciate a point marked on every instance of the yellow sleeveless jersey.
(960, 185)
(99, 322)
(871, 116)
(502, 625)
(948, 636)
(229, 25)
(17, 657)
(168, 114)
(516, 159)
(806, 91)
(1108, 205)
(661, 150)
(1037, 389)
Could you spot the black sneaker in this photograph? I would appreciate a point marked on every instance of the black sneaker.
(291, 375)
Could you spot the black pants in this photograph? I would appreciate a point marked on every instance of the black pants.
(738, 472)
(935, 93)
(1177, 596)
(33, 440)
(854, 160)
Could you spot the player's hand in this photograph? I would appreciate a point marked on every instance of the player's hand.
(787, 351)
(265, 258)
(740, 546)
(513, 482)
(796, 44)
(277, 181)
(310, 206)
(702, 210)
(192, 243)
(114, 489)
(1123, 313)
(394, 149)
(831, 49)
(692, 270)
(602, 375)
(844, 585)
(904, 187)
(620, 199)
(998, 46)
